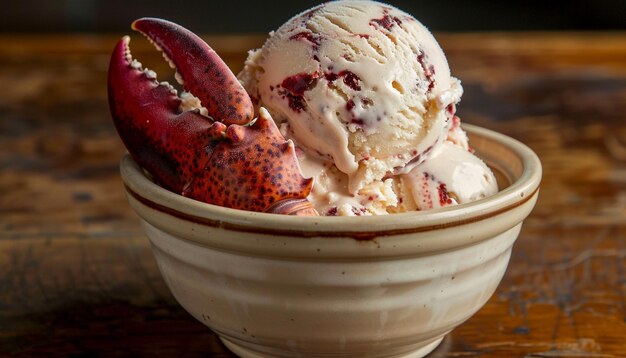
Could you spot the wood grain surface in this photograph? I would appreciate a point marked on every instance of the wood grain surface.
(77, 277)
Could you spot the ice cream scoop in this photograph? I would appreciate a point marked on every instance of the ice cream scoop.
(365, 92)
(452, 175)
(358, 83)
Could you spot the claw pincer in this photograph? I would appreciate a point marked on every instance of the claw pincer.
(210, 152)
(201, 70)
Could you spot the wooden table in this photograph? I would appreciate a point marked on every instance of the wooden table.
(77, 276)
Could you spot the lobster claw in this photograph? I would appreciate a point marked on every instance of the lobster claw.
(268, 176)
(201, 71)
(209, 158)
(168, 143)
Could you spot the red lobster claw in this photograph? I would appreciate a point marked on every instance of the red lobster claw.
(215, 159)
(202, 72)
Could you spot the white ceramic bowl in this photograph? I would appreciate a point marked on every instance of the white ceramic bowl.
(382, 286)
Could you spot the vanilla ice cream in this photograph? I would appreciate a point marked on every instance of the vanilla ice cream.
(365, 91)
(452, 175)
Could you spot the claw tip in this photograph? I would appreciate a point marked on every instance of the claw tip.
(264, 112)
(264, 118)
(133, 26)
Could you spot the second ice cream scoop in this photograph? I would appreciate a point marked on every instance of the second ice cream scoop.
(452, 175)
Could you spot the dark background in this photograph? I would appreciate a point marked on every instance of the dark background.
(233, 16)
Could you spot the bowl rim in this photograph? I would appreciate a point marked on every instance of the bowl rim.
(522, 190)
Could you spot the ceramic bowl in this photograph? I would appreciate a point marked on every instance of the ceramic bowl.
(382, 286)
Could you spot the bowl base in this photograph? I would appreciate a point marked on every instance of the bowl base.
(247, 353)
